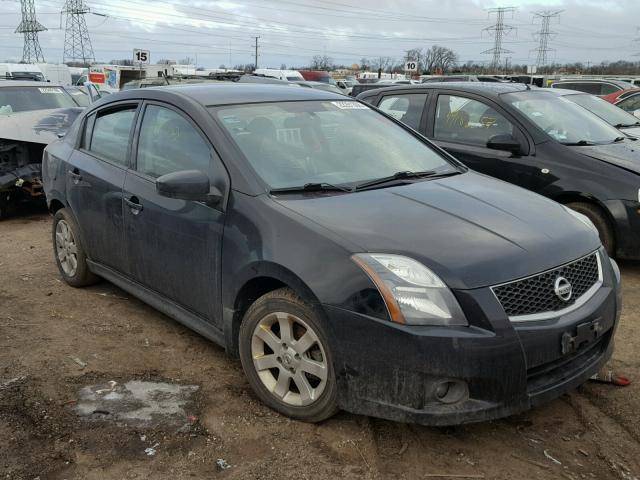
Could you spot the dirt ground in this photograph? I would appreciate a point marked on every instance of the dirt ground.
(48, 331)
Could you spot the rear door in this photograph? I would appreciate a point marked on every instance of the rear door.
(95, 178)
(409, 108)
(174, 246)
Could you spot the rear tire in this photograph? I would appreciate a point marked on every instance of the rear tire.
(286, 357)
(69, 252)
(597, 216)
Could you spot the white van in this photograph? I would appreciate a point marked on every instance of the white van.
(286, 75)
(21, 71)
(59, 74)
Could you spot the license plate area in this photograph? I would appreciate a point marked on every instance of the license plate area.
(585, 334)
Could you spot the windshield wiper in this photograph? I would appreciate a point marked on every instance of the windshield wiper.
(312, 187)
(627, 125)
(619, 139)
(579, 143)
(403, 175)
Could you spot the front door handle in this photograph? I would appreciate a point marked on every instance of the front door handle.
(134, 205)
(75, 176)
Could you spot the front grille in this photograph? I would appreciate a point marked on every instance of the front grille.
(536, 294)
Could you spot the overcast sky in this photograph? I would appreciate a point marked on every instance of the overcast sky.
(292, 31)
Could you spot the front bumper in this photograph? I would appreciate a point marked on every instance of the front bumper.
(626, 216)
(392, 371)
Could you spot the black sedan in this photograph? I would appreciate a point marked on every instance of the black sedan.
(348, 262)
(537, 140)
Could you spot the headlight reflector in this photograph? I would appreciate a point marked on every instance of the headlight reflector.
(413, 294)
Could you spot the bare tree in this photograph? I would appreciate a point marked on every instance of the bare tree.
(321, 62)
(283, 66)
(415, 55)
(439, 59)
(382, 63)
(364, 64)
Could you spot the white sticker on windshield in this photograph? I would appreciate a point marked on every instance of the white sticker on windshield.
(347, 105)
(50, 90)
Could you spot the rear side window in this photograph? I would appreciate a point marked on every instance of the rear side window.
(111, 133)
(607, 88)
(405, 108)
(630, 104)
(170, 143)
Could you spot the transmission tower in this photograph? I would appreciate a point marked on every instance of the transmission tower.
(77, 44)
(29, 27)
(545, 34)
(499, 31)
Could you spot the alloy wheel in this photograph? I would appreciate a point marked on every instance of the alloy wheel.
(66, 248)
(289, 359)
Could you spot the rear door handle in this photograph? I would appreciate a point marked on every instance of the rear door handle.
(134, 205)
(75, 175)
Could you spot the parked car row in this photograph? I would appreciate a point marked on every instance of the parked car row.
(343, 254)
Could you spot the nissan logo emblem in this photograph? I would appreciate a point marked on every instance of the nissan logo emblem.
(562, 289)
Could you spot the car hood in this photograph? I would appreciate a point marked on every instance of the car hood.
(625, 154)
(472, 230)
(39, 126)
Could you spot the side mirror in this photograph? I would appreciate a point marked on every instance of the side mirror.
(188, 185)
(505, 142)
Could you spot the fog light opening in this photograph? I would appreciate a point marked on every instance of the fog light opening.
(451, 391)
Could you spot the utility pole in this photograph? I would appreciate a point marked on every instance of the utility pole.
(256, 62)
(29, 27)
(499, 31)
(544, 35)
(77, 44)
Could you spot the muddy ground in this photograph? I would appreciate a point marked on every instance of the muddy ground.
(48, 331)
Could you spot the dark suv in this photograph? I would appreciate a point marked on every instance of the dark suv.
(349, 263)
(536, 139)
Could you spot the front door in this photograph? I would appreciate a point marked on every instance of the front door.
(463, 126)
(95, 178)
(174, 246)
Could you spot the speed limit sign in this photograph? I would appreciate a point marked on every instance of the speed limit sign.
(141, 57)
(411, 66)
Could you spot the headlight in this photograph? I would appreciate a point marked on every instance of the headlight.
(413, 294)
(583, 218)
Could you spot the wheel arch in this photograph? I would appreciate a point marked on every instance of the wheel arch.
(570, 197)
(260, 278)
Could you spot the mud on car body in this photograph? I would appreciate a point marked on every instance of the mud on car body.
(345, 259)
(32, 114)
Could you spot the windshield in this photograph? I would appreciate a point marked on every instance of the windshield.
(291, 144)
(605, 110)
(79, 96)
(25, 99)
(561, 119)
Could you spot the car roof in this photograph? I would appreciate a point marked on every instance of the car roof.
(26, 83)
(487, 89)
(212, 94)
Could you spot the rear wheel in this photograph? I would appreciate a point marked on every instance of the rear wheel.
(69, 252)
(286, 357)
(597, 217)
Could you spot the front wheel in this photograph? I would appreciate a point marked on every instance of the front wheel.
(597, 217)
(286, 357)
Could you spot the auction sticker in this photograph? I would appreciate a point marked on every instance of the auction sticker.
(347, 105)
(50, 90)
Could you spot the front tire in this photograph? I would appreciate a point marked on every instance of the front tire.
(286, 357)
(597, 217)
(69, 252)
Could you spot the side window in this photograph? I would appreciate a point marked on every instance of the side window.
(405, 108)
(630, 104)
(607, 89)
(111, 132)
(88, 127)
(169, 143)
(464, 120)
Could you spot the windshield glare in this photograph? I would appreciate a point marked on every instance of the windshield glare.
(561, 119)
(290, 144)
(25, 99)
(605, 110)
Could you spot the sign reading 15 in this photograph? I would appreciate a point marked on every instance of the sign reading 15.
(141, 56)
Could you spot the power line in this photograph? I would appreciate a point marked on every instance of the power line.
(29, 27)
(499, 31)
(77, 44)
(545, 34)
